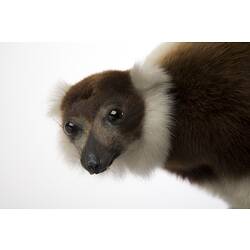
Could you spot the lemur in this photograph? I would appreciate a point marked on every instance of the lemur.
(185, 109)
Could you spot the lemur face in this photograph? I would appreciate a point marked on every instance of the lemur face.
(101, 116)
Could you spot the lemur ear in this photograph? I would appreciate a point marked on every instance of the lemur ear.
(56, 98)
(146, 76)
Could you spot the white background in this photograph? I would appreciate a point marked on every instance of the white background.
(33, 173)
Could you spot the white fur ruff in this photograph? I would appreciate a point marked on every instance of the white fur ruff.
(56, 99)
(151, 151)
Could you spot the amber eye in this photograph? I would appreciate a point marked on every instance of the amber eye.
(115, 115)
(71, 129)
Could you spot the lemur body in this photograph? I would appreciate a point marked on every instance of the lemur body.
(186, 109)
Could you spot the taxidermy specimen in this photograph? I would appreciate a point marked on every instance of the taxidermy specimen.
(185, 108)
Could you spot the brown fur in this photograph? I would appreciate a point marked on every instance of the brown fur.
(211, 133)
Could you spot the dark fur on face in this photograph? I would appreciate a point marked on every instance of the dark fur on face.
(89, 103)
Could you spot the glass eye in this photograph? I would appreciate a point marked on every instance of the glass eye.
(71, 129)
(115, 115)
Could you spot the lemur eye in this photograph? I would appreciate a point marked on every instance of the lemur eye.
(115, 115)
(71, 129)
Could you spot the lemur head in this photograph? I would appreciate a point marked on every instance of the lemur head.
(102, 115)
(117, 116)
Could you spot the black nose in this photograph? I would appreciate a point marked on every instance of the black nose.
(92, 164)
